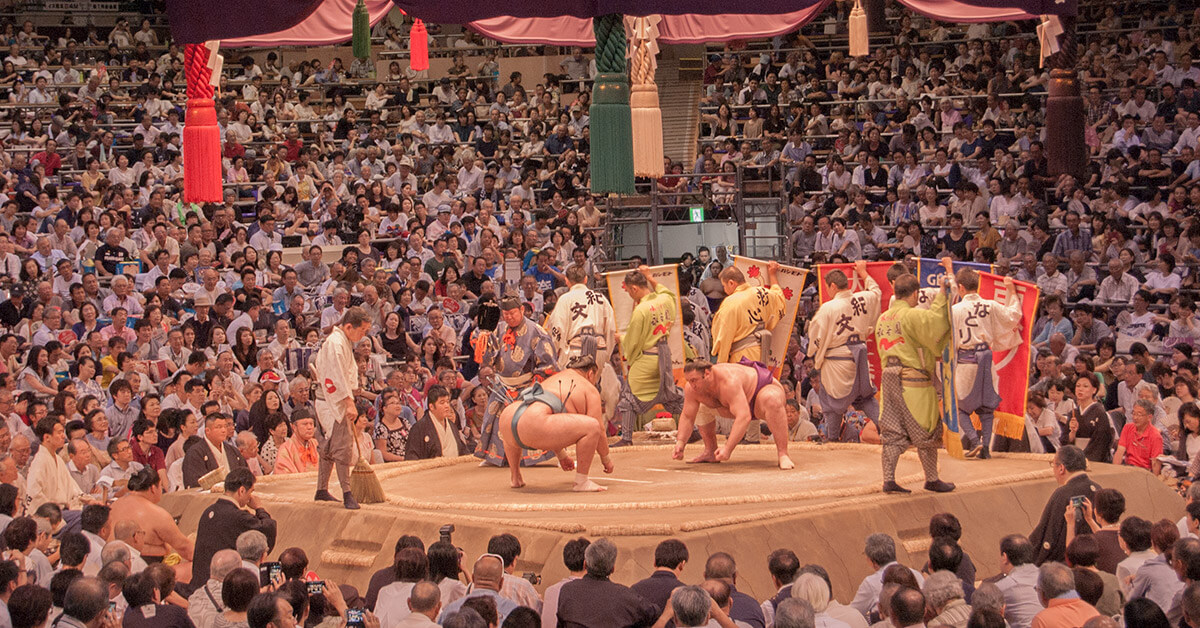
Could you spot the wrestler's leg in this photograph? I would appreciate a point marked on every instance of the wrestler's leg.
(586, 448)
(705, 422)
(708, 436)
(602, 445)
(512, 452)
(685, 426)
(558, 431)
(771, 406)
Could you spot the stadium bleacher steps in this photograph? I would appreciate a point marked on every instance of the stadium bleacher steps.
(680, 88)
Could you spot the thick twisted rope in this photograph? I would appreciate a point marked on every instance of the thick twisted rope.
(1067, 57)
(610, 43)
(641, 70)
(199, 75)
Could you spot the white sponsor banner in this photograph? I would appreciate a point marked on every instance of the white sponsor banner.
(667, 275)
(791, 281)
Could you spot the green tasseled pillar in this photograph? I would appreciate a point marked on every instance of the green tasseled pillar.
(362, 31)
(611, 121)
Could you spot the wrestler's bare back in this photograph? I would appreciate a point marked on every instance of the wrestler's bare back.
(162, 533)
(574, 390)
(578, 423)
(728, 381)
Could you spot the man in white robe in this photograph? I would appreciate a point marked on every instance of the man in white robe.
(981, 326)
(837, 345)
(337, 377)
(579, 312)
(582, 312)
(49, 480)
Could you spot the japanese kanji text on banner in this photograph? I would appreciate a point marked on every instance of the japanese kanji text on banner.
(1012, 355)
(667, 275)
(878, 272)
(791, 281)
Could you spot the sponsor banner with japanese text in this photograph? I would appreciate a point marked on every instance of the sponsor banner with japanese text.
(1013, 365)
(930, 272)
(667, 275)
(791, 281)
(878, 272)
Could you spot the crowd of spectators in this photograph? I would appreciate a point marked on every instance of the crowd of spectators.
(935, 144)
(1086, 563)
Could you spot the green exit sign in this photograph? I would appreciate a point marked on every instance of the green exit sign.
(696, 214)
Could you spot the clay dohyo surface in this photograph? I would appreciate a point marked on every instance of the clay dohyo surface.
(823, 509)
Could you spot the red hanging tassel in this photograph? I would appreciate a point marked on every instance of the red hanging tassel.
(418, 47)
(201, 136)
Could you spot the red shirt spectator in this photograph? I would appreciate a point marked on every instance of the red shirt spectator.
(153, 459)
(143, 443)
(49, 159)
(1141, 443)
(293, 146)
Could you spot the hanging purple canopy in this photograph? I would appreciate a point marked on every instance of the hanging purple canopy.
(196, 21)
(463, 12)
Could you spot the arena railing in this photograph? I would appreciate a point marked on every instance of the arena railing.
(706, 108)
(359, 82)
(159, 48)
(888, 40)
(450, 50)
(317, 121)
(517, 135)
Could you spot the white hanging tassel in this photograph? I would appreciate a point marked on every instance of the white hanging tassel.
(215, 62)
(642, 33)
(1048, 32)
(860, 38)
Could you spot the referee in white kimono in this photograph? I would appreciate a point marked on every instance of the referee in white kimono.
(581, 312)
(336, 374)
(981, 326)
(837, 345)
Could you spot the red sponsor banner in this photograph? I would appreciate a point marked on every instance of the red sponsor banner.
(1012, 363)
(878, 272)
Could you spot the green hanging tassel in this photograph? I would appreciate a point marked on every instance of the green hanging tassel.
(611, 122)
(362, 31)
